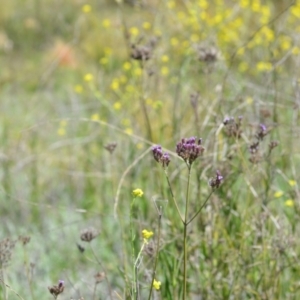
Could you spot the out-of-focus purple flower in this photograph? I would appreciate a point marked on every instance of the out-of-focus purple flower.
(262, 132)
(217, 180)
(232, 127)
(161, 157)
(189, 149)
(55, 290)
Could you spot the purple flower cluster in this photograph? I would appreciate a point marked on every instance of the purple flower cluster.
(161, 157)
(189, 149)
(216, 181)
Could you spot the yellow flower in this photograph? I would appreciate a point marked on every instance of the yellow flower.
(249, 100)
(156, 284)
(164, 71)
(147, 234)
(127, 66)
(88, 77)
(138, 71)
(117, 105)
(134, 31)
(78, 88)
(296, 50)
(171, 4)
(146, 25)
(289, 203)
(86, 8)
(137, 193)
(63, 123)
(278, 194)
(61, 131)
(106, 23)
(292, 182)
(115, 84)
(95, 117)
(263, 66)
(103, 61)
(165, 58)
(174, 41)
(129, 131)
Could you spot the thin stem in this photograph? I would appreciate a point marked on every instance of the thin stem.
(173, 197)
(201, 207)
(134, 295)
(156, 254)
(136, 265)
(185, 225)
(100, 264)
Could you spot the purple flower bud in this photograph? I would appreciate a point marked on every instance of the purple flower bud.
(217, 180)
(161, 157)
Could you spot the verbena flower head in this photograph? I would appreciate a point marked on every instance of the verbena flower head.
(147, 234)
(161, 157)
(137, 193)
(217, 180)
(189, 149)
(232, 127)
(55, 290)
(88, 234)
(262, 132)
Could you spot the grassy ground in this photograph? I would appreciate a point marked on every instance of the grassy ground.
(77, 77)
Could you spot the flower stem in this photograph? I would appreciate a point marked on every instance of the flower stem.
(173, 197)
(156, 254)
(199, 210)
(185, 225)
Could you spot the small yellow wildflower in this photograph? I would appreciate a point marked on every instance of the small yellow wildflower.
(292, 182)
(139, 146)
(86, 8)
(195, 38)
(134, 31)
(95, 117)
(138, 71)
(106, 23)
(61, 131)
(117, 105)
(129, 131)
(115, 85)
(278, 194)
(295, 10)
(78, 88)
(296, 50)
(127, 66)
(171, 4)
(156, 284)
(63, 123)
(126, 122)
(165, 58)
(263, 66)
(147, 234)
(249, 100)
(174, 41)
(164, 71)
(107, 51)
(137, 193)
(88, 77)
(130, 88)
(146, 25)
(289, 203)
(244, 3)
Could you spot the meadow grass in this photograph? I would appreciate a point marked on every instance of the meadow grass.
(89, 209)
